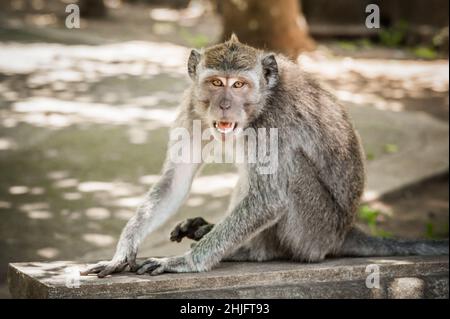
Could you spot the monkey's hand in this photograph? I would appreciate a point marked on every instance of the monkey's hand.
(192, 228)
(117, 264)
(157, 266)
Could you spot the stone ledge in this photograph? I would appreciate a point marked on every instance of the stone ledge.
(400, 277)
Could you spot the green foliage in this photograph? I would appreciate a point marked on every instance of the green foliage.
(433, 232)
(390, 148)
(440, 38)
(369, 216)
(194, 40)
(370, 156)
(355, 44)
(394, 36)
(347, 45)
(429, 232)
(382, 233)
(365, 43)
(423, 52)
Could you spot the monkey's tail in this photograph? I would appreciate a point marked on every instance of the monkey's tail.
(359, 244)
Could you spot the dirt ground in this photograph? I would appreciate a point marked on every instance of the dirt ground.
(420, 211)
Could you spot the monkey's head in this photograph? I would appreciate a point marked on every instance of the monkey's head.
(231, 83)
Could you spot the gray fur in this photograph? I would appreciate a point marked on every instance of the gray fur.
(305, 211)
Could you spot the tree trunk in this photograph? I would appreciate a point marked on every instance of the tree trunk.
(272, 25)
(92, 8)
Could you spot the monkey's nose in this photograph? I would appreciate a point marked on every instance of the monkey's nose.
(225, 104)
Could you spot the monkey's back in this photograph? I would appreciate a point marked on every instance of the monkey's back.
(321, 157)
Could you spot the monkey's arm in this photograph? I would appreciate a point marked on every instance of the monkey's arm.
(250, 216)
(161, 202)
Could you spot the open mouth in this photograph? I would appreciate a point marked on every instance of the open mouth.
(225, 127)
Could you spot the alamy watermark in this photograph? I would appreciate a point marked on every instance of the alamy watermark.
(373, 279)
(253, 146)
(73, 17)
(373, 19)
(72, 277)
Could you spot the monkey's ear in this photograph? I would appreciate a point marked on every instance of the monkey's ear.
(193, 61)
(233, 38)
(270, 69)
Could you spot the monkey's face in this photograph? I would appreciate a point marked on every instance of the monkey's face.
(231, 83)
(228, 101)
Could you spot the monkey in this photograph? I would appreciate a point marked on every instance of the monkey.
(304, 211)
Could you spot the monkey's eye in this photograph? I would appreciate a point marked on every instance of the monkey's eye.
(216, 82)
(238, 84)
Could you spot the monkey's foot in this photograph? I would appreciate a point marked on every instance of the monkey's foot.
(157, 266)
(105, 268)
(117, 264)
(193, 228)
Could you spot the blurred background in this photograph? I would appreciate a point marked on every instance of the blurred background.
(84, 112)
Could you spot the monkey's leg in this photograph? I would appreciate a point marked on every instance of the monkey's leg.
(263, 247)
(253, 214)
(315, 225)
(192, 228)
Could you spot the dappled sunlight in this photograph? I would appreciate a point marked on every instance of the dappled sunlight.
(66, 183)
(72, 196)
(57, 174)
(148, 179)
(370, 195)
(214, 205)
(131, 202)
(124, 214)
(407, 288)
(193, 11)
(95, 186)
(385, 209)
(34, 206)
(87, 59)
(137, 135)
(37, 210)
(114, 189)
(7, 144)
(369, 99)
(99, 240)
(410, 74)
(18, 190)
(389, 261)
(48, 252)
(214, 184)
(195, 201)
(381, 83)
(5, 204)
(39, 214)
(98, 213)
(37, 190)
(51, 112)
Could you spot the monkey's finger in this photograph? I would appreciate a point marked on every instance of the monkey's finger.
(197, 222)
(184, 226)
(181, 230)
(202, 231)
(157, 271)
(94, 269)
(176, 235)
(148, 267)
(110, 269)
